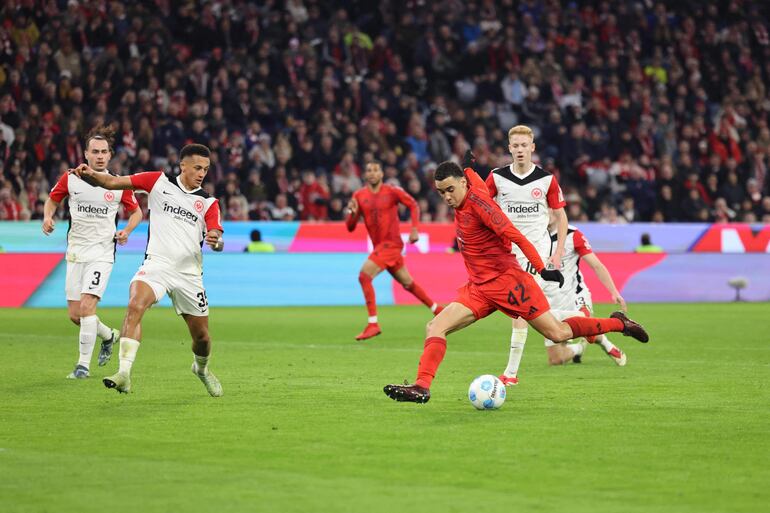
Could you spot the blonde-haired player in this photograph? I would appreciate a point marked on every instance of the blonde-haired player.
(527, 194)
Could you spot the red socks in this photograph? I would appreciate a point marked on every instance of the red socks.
(587, 326)
(366, 285)
(435, 349)
(420, 294)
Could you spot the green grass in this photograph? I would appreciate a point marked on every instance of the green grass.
(304, 425)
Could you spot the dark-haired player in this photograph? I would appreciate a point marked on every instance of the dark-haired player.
(183, 217)
(91, 240)
(496, 281)
(378, 204)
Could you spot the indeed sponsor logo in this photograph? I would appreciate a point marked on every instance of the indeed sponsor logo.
(524, 209)
(90, 209)
(179, 211)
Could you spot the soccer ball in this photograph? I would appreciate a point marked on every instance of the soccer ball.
(486, 392)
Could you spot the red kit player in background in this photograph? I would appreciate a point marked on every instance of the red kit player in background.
(378, 204)
(496, 281)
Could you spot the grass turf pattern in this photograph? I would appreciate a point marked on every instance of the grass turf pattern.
(304, 426)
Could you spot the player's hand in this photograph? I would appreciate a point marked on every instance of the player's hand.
(214, 240)
(469, 160)
(413, 236)
(121, 236)
(555, 261)
(82, 171)
(618, 300)
(353, 206)
(552, 275)
(48, 225)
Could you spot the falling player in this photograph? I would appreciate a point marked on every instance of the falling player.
(378, 204)
(182, 218)
(576, 296)
(525, 192)
(495, 281)
(91, 240)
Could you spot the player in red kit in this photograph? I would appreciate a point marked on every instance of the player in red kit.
(495, 281)
(378, 204)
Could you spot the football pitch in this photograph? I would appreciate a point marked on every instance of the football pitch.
(304, 426)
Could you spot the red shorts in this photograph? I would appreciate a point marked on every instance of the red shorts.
(387, 256)
(515, 293)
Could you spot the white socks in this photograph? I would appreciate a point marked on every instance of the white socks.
(104, 332)
(433, 307)
(575, 348)
(200, 364)
(372, 319)
(88, 326)
(128, 349)
(518, 339)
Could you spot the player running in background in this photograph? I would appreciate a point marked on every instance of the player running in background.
(576, 296)
(91, 240)
(378, 204)
(496, 281)
(526, 193)
(182, 218)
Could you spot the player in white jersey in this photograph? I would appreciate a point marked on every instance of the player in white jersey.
(576, 296)
(182, 218)
(527, 193)
(91, 240)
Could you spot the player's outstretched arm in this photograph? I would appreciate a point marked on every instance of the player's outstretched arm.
(49, 209)
(605, 278)
(214, 240)
(106, 180)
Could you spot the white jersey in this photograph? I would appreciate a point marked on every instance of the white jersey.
(179, 220)
(93, 218)
(575, 246)
(526, 200)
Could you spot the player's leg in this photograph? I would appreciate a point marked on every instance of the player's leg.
(580, 326)
(369, 270)
(86, 336)
(610, 349)
(96, 276)
(402, 276)
(518, 340)
(201, 348)
(455, 316)
(141, 297)
(560, 353)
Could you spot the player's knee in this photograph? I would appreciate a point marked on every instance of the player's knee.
(554, 360)
(434, 329)
(75, 319)
(364, 278)
(407, 284)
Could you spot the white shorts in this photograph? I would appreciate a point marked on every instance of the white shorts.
(185, 290)
(86, 278)
(560, 299)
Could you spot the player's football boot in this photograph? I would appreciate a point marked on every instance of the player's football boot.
(616, 354)
(372, 330)
(631, 328)
(212, 384)
(120, 381)
(407, 393)
(105, 352)
(80, 372)
(508, 381)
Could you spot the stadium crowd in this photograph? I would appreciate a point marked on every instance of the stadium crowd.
(645, 111)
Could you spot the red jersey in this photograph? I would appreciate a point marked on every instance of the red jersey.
(484, 235)
(380, 211)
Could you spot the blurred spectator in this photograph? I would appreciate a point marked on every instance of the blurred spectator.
(634, 106)
(257, 245)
